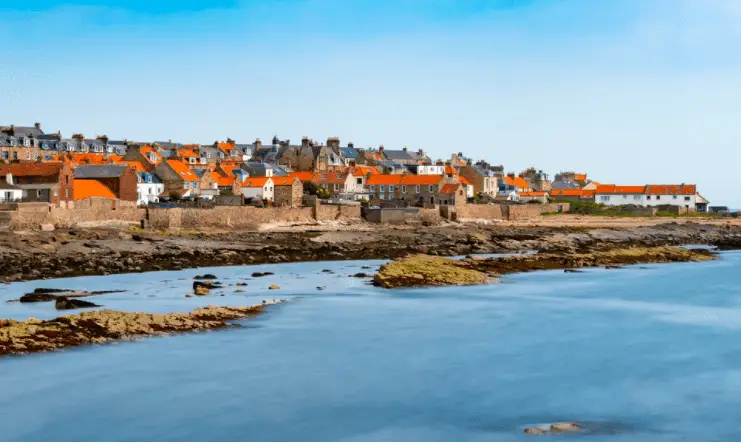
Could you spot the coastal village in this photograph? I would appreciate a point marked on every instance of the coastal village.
(61, 171)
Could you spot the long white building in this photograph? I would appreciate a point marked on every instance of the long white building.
(652, 195)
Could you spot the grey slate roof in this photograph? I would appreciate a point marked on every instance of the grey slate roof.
(100, 171)
(211, 150)
(349, 152)
(155, 178)
(5, 186)
(256, 169)
(21, 131)
(396, 155)
(564, 184)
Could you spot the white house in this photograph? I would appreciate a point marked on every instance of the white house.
(149, 187)
(430, 169)
(261, 188)
(652, 195)
(8, 191)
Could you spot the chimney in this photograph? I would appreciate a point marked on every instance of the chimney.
(333, 142)
(78, 137)
(9, 178)
(103, 138)
(351, 145)
(304, 141)
(380, 148)
(420, 152)
(405, 149)
(37, 126)
(258, 143)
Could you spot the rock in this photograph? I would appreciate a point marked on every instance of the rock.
(327, 271)
(190, 295)
(320, 288)
(536, 431)
(611, 267)
(566, 427)
(241, 284)
(238, 291)
(47, 227)
(572, 271)
(37, 297)
(274, 287)
(260, 275)
(361, 275)
(425, 270)
(206, 276)
(204, 288)
(69, 304)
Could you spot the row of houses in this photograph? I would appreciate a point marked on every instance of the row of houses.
(148, 172)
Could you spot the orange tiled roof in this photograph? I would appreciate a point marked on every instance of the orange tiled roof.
(449, 188)
(573, 192)
(31, 169)
(535, 193)
(187, 153)
(671, 189)
(581, 177)
(284, 180)
(181, 169)
(373, 155)
(135, 164)
(146, 150)
(363, 170)
(620, 190)
(221, 180)
(302, 176)
(329, 177)
(464, 180)
(90, 158)
(383, 179)
(91, 189)
(258, 181)
(421, 179)
(226, 147)
(450, 170)
(518, 182)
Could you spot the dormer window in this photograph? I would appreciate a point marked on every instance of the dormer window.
(149, 179)
(208, 154)
(203, 161)
(26, 141)
(152, 157)
(138, 179)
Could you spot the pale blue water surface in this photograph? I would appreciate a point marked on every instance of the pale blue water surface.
(637, 354)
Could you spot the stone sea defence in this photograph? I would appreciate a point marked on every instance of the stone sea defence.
(97, 327)
(422, 271)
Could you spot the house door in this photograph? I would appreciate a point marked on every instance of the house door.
(432, 200)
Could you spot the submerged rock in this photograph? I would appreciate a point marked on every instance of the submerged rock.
(206, 276)
(261, 274)
(70, 304)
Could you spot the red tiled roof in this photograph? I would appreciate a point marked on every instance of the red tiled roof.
(450, 170)
(91, 189)
(31, 169)
(181, 169)
(187, 153)
(363, 170)
(671, 189)
(146, 150)
(135, 164)
(464, 180)
(535, 193)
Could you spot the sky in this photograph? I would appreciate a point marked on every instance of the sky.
(628, 91)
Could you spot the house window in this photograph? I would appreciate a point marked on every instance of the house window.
(429, 189)
(138, 179)
(658, 197)
(686, 198)
(648, 197)
(637, 197)
(382, 189)
(185, 186)
(417, 189)
(195, 185)
(336, 187)
(675, 197)
(4, 155)
(15, 155)
(149, 179)
(372, 188)
(604, 198)
(38, 194)
(403, 189)
(391, 188)
(35, 156)
(359, 181)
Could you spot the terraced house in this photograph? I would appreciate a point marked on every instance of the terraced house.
(407, 188)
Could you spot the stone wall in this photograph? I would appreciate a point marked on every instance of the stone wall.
(479, 211)
(34, 215)
(227, 217)
(338, 212)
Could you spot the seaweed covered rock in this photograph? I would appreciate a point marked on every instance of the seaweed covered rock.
(425, 270)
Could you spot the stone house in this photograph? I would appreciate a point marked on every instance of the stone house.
(337, 183)
(209, 187)
(178, 178)
(42, 182)
(288, 192)
(408, 188)
(483, 179)
(146, 155)
(120, 179)
(537, 179)
(452, 195)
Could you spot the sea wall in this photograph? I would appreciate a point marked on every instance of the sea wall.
(34, 215)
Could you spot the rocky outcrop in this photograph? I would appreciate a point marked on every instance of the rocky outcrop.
(425, 270)
(63, 303)
(421, 270)
(556, 428)
(48, 295)
(97, 327)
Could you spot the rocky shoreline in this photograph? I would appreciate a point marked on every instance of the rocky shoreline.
(78, 252)
(427, 271)
(102, 326)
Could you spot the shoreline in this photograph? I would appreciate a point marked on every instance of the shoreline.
(26, 256)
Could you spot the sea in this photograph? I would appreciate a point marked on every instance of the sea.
(645, 353)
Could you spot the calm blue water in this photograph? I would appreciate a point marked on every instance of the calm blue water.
(650, 355)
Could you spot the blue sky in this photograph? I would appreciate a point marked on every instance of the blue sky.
(630, 91)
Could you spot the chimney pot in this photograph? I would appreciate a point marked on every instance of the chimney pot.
(37, 125)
